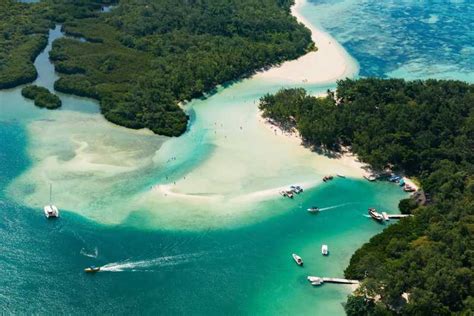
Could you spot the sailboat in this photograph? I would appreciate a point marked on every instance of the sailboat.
(50, 210)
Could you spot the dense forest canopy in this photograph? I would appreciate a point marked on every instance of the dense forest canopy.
(425, 128)
(23, 35)
(144, 57)
(43, 97)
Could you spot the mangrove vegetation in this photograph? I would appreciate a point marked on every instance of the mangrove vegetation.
(43, 97)
(143, 58)
(422, 265)
(23, 35)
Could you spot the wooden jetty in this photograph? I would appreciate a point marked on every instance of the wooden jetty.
(398, 216)
(340, 281)
(320, 280)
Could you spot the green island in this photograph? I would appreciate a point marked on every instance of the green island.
(43, 97)
(24, 30)
(426, 130)
(143, 58)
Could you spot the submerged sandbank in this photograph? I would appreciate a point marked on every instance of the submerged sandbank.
(329, 63)
(225, 171)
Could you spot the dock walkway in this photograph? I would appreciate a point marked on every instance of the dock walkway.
(340, 281)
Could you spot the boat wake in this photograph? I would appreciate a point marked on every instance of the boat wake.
(143, 265)
(335, 206)
(90, 254)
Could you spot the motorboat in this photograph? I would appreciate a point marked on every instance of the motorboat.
(370, 178)
(297, 259)
(340, 175)
(50, 210)
(395, 178)
(313, 209)
(327, 178)
(324, 250)
(92, 269)
(288, 194)
(296, 189)
(375, 215)
(315, 280)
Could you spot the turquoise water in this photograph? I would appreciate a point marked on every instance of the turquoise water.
(214, 249)
(407, 39)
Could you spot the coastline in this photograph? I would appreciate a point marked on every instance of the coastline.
(327, 64)
(347, 159)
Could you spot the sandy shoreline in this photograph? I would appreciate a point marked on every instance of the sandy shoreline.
(347, 159)
(329, 63)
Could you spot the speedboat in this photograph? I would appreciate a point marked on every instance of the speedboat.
(327, 178)
(395, 178)
(370, 178)
(408, 188)
(92, 269)
(315, 280)
(288, 194)
(296, 188)
(375, 215)
(297, 259)
(340, 175)
(51, 211)
(324, 250)
(313, 209)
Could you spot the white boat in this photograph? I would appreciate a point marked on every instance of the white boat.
(315, 280)
(296, 189)
(324, 250)
(92, 269)
(313, 209)
(50, 210)
(376, 215)
(370, 178)
(340, 175)
(297, 259)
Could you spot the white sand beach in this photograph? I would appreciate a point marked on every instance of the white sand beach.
(329, 63)
(347, 159)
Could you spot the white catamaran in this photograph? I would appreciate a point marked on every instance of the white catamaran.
(50, 210)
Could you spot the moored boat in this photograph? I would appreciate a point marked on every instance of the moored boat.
(408, 188)
(324, 250)
(315, 280)
(296, 189)
(340, 175)
(375, 215)
(288, 194)
(297, 259)
(50, 210)
(370, 178)
(327, 178)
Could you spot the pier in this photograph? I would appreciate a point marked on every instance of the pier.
(394, 216)
(314, 280)
(340, 281)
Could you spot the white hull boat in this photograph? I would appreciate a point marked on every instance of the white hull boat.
(324, 250)
(297, 259)
(315, 280)
(51, 211)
